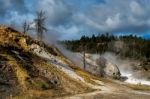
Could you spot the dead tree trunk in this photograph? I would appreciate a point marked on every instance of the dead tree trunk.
(25, 27)
(84, 61)
(40, 25)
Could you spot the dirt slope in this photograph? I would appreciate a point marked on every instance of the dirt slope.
(26, 68)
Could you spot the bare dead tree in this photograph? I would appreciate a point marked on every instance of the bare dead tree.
(101, 62)
(84, 62)
(25, 27)
(40, 24)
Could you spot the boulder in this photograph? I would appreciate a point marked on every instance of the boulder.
(107, 69)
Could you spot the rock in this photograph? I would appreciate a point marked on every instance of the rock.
(107, 69)
(123, 78)
(111, 70)
(3, 82)
(23, 44)
(145, 65)
(54, 81)
(2, 65)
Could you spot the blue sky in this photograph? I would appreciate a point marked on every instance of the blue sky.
(70, 19)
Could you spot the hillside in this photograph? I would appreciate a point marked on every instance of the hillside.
(31, 69)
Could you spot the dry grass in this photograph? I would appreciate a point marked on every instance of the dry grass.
(139, 87)
(20, 72)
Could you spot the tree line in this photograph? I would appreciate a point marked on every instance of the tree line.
(129, 46)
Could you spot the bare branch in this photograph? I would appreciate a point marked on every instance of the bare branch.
(25, 27)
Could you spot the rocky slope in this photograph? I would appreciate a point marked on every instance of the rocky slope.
(33, 69)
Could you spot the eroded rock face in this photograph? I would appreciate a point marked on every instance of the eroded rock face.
(111, 70)
(107, 69)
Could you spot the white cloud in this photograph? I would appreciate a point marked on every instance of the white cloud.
(136, 8)
(18, 19)
(76, 19)
(113, 22)
(118, 16)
